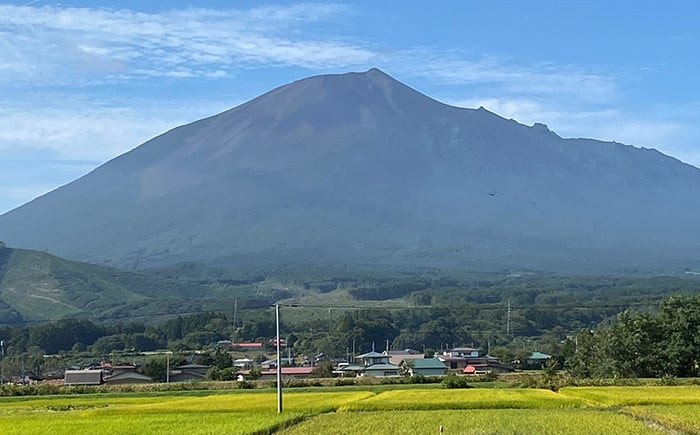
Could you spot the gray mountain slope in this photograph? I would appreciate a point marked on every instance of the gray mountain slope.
(359, 169)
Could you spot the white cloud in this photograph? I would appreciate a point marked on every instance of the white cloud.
(539, 79)
(57, 44)
(48, 142)
(671, 136)
(75, 129)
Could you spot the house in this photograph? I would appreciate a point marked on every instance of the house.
(371, 358)
(127, 377)
(426, 367)
(55, 374)
(398, 356)
(476, 369)
(466, 352)
(537, 359)
(487, 365)
(460, 358)
(189, 372)
(272, 363)
(82, 377)
(123, 368)
(244, 363)
(371, 364)
(248, 345)
(273, 342)
(381, 370)
(126, 374)
(29, 378)
(453, 362)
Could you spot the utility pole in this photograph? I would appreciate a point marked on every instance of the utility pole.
(235, 312)
(167, 367)
(508, 321)
(279, 361)
(2, 362)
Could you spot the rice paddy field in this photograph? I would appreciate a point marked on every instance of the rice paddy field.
(572, 410)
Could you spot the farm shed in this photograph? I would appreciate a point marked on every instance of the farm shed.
(82, 377)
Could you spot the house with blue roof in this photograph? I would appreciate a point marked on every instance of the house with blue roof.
(373, 364)
(426, 367)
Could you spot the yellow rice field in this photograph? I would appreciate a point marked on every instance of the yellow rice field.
(623, 410)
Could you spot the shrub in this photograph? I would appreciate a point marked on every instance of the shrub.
(344, 381)
(244, 385)
(455, 381)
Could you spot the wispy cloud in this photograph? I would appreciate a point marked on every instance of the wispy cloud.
(57, 44)
(62, 49)
(53, 43)
(545, 78)
(669, 134)
(84, 130)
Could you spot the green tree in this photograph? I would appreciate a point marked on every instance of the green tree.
(156, 368)
(586, 355)
(324, 369)
(680, 317)
(254, 373)
(64, 334)
(222, 360)
(226, 374)
(635, 344)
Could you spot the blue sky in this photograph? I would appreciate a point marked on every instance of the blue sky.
(84, 81)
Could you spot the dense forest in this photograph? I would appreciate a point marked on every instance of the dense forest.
(628, 332)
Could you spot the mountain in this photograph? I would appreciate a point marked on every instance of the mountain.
(359, 169)
(36, 286)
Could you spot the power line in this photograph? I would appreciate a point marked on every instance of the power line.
(355, 307)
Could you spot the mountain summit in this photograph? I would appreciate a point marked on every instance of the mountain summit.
(360, 169)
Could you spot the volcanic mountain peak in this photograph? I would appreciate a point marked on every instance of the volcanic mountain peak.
(370, 90)
(359, 168)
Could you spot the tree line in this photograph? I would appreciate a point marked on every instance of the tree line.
(641, 344)
(588, 341)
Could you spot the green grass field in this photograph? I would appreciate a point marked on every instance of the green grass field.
(617, 410)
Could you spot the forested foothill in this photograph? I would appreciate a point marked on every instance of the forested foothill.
(593, 326)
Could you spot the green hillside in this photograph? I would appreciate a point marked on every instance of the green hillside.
(37, 286)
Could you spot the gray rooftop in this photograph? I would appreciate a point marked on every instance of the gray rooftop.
(381, 367)
(82, 377)
(372, 354)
